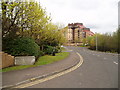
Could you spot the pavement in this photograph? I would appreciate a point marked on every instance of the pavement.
(99, 70)
(16, 77)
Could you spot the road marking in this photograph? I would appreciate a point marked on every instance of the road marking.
(53, 76)
(115, 62)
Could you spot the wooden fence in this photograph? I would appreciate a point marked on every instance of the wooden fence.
(6, 60)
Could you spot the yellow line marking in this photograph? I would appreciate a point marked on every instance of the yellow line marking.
(53, 76)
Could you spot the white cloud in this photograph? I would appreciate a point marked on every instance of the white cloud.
(102, 14)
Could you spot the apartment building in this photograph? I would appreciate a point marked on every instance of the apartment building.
(76, 32)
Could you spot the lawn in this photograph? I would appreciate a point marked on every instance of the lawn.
(43, 60)
(47, 59)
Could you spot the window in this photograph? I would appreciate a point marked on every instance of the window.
(84, 34)
(78, 33)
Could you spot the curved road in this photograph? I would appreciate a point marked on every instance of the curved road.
(99, 70)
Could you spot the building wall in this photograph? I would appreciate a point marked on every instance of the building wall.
(69, 35)
(80, 32)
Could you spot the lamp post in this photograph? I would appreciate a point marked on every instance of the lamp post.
(96, 42)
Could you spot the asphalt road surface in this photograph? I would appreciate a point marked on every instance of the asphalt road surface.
(99, 70)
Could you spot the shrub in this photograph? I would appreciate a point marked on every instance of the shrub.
(21, 47)
(49, 50)
(58, 49)
(41, 53)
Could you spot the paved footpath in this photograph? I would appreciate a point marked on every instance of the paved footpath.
(15, 77)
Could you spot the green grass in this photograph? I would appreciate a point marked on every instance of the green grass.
(16, 68)
(47, 59)
(43, 60)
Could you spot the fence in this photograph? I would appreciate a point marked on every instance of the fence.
(6, 60)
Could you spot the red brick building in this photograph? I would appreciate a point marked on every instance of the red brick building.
(76, 32)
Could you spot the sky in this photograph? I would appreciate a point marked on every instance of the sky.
(100, 16)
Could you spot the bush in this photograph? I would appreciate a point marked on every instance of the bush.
(41, 53)
(21, 47)
(58, 49)
(49, 50)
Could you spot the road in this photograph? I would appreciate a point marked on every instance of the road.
(99, 70)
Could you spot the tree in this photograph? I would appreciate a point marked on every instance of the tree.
(10, 13)
(29, 19)
(50, 36)
(23, 18)
(106, 42)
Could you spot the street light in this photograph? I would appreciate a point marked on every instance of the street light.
(96, 41)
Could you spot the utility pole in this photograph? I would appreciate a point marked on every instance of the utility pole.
(96, 42)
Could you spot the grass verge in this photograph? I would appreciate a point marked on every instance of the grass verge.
(43, 60)
(47, 59)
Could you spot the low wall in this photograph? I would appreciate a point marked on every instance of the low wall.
(24, 60)
(7, 60)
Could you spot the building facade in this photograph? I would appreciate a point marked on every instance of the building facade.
(76, 32)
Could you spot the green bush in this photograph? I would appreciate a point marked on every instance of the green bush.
(41, 53)
(58, 49)
(21, 47)
(49, 50)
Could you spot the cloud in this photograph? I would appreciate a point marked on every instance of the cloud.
(85, 4)
(92, 26)
(101, 16)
